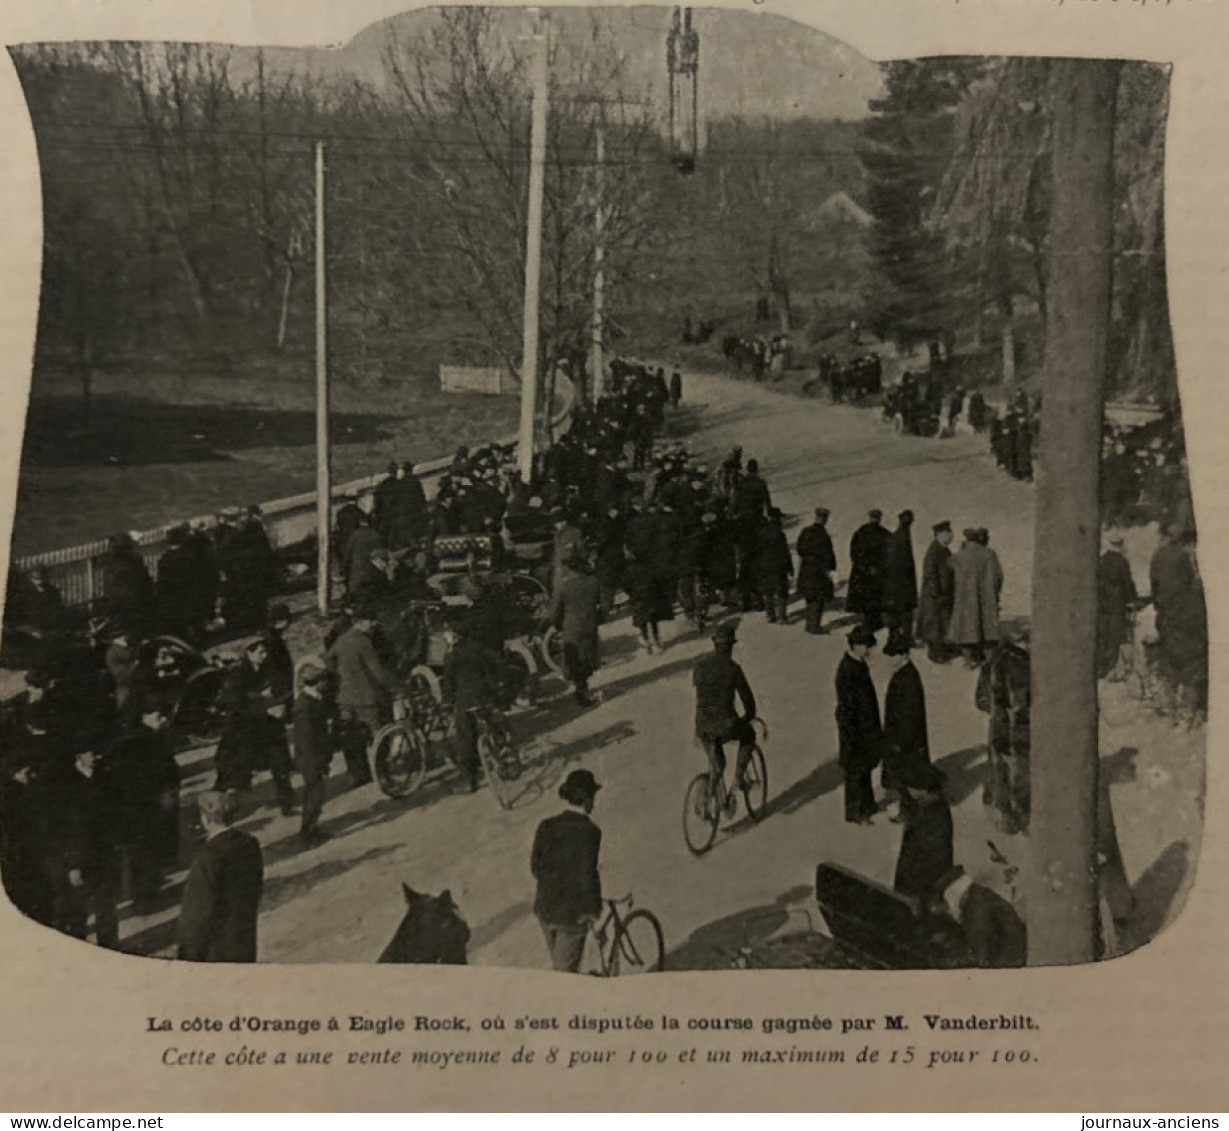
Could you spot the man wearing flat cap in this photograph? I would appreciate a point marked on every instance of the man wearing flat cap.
(816, 565)
(718, 680)
(868, 558)
(858, 727)
(564, 862)
(937, 596)
(221, 896)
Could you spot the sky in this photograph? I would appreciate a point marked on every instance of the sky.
(752, 64)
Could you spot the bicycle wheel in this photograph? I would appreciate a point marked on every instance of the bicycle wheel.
(639, 947)
(755, 784)
(700, 816)
(552, 651)
(400, 756)
(496, 772)
(198, 713)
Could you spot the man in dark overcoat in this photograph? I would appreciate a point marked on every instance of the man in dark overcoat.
(816, 565)
(938, 595)
(564, 862)
(142, 778)
(312, 731)
(993, 930)
(173, 591)
(82, 860)
(221, 896)
(128, 588)
(858, 726)
(926, 849)
(1116, 595)
(774, 567)
(900, 581)
(257, 701)
(906, 744)
(575, 610)
(868, 558)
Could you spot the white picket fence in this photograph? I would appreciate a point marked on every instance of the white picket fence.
(77, 571)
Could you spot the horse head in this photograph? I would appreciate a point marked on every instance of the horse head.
(432, 931)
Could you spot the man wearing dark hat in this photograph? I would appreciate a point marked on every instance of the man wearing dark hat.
(564, 861)
(358, 568)
(906, 744)
(142, 779)
(173, 590)
(1116, 596)
(868, 560)
(221, 896)
(926, 847)
(365, 690)
(254, 734)
(312, 731)
(774, 567)
(82, 856)
(384, 502)
(575, 610)
(938, 595)
(858, 727)
(128, 587)
(718, 680)
(816, 564)
(900, 581)
(350, 516)
(472, 678)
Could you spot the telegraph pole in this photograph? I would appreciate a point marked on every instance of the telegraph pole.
(596, 364)
(324, 489)
(1062, 877)
(533, 257)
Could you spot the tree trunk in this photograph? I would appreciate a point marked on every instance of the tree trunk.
(1007, 310)
(1062, 900)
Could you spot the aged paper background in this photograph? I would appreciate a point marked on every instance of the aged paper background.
(1142, 1033)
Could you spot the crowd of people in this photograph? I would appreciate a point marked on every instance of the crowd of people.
(90, 810)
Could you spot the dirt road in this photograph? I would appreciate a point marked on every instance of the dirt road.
(341, 902)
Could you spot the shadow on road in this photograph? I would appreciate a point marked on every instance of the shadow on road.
(717, 944)
(1155, 891)
(965, 770)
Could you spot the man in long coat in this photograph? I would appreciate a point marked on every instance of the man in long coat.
(977, 580)
(1181, 614)
(575, 610)
(365, 690)
(312, 731)
(926, 849)
(868, 558)
(128, 588)
(1004, 693)
(221, 896)
(906, 745)
(900, 581)
(858, 726)
(774, 567)
(1116, 594)
(938, 595)
(816, 564)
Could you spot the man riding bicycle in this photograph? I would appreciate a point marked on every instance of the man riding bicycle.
(717, 680)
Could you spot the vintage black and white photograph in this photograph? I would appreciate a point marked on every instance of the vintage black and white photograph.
(606, 490)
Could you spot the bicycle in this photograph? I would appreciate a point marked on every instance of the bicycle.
(499, 754)
(704, 806)
(628, 945)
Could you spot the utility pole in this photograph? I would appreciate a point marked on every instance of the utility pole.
(324, 487)
(596, 364)
(1062, 874)
(533, 257)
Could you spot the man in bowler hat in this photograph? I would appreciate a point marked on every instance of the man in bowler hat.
(564, 862)
(858, 726)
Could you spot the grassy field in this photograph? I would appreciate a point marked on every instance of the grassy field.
(169, 445)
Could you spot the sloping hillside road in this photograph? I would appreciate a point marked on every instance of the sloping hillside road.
(342, 901)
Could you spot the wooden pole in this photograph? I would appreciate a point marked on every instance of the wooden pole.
(533, 260)
(1061, 876)
(324, 491)
(597, 361)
